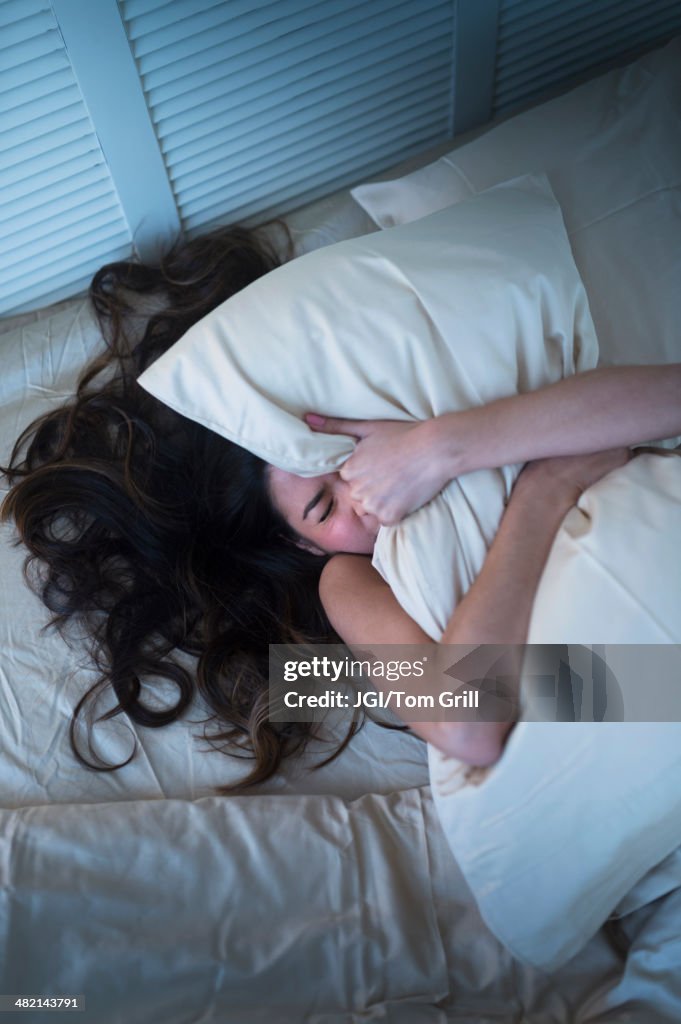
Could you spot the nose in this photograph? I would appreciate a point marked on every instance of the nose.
(344, 492)
(368, 519)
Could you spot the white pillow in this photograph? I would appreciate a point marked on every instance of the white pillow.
(414, 195)
(575, 814)
(612, 152)
(545, 137)
(480, 301)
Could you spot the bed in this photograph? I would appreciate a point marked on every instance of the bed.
(329, 895)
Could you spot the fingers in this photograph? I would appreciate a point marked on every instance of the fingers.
(332, 425)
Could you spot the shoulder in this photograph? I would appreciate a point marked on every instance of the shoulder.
(350, 570)
(361, 606)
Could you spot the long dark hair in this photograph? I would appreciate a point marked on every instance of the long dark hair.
(158, 534)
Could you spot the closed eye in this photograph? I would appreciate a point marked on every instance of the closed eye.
(327, 513)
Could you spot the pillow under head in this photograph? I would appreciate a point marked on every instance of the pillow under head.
(611, 149)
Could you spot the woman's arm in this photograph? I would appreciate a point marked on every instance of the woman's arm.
(496, 609)
(399, 466)
(589, 412)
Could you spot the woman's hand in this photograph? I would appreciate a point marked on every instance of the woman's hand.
(395, 467)
(564, 478)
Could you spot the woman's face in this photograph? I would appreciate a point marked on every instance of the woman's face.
(321, 511)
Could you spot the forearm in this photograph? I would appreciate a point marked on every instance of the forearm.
(589, 412)
(497, 608)
(496, 611)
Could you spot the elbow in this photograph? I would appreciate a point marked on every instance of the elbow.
(478, 744)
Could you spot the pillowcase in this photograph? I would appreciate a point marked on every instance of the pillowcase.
(574, 816)
(612, 152)
(415, 195)
(549, 135)
(477, 302)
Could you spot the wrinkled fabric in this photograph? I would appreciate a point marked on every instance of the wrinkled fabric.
(252, 909)
(576, 814)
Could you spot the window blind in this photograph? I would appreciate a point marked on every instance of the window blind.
(263, 106)
(123, 122)
(59, 211)
(544, 43)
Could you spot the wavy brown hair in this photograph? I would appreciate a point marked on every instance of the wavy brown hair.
(157, 534)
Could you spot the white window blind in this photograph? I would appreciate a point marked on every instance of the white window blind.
(544, 43)
(60, 218)
(125, 122)
(263, 106)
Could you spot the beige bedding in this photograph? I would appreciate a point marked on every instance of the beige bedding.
(250, 910)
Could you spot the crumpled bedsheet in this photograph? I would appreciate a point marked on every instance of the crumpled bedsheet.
(286, 908)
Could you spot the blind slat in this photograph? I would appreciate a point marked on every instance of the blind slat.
(427, 75)
(563, 19)
(293, 95)
(49, 160)
(70, 128)
(254, 151)
(606, 33)
(237, 24)
(320, 71)
(56, 194)
(542, 45)
(29, 107)
(25, 30)
(16, 10)
(291, 51)
(172, 79)
(30, 50)
(271, 100)
(74, 173)
(143, 16)
(25, 74)
(94, 231)
(279, 97)
(255, 101)
(28, 132)
(535, 84)
(39, 212)
(63, 282)
(540, 72)
(309, 188)
(331, 158)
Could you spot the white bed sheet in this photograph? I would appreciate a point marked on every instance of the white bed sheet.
(197, 912)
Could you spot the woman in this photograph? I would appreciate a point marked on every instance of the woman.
(163, 537)
(397, 467)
